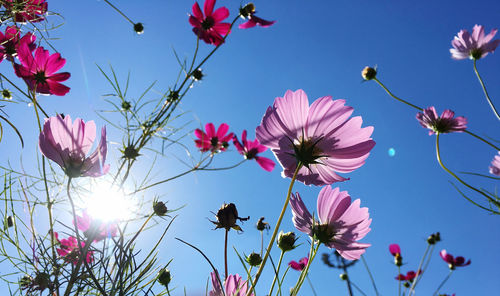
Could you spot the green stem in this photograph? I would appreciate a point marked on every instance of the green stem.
(399, 282)
(438, 155)
(310, 284)
(414, 284)
(443, 282)
(225, 255)
(275, 232)
(305, 270)
(486, 92)
(277, 273)
(370, 274)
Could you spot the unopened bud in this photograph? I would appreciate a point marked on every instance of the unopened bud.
(406, 284)
(261, 225)
(398, 260)
(343, 276)
(164, 277)
(247, 10)
(254, 259)
(160, 208)
(130, 152)
(10, 221)
(286, 241)
(434, 238)
(227, 216)
(197, 74)
(139, 28)
(368, 73)
(6, 94)
(126, 105)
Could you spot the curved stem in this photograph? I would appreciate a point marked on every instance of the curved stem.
(394, 96)
(486, 92)
(370, 274)
(276, 275)
(275, 232)
(438, 155)
(483, 140)
(443, 282)
(119, 11)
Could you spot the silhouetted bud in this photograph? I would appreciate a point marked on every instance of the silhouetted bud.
(261, 225)
(227, 216)
(139, 28)
(10, 221)
(247, 10)
(6, 94)
(197, 74)
(398, 260)
(368, 73)
(343, 276)
(164, 277)
(130, 152)
(286, 241)
(126, 105)
(159, 208)
(254, 259)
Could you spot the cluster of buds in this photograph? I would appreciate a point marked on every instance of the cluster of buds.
(434, 238)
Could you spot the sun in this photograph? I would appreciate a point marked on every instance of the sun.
(109, 204)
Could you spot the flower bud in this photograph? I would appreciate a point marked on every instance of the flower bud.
(247, 10)
(164, 277)
(42, 281)
(434, 238)
(227, 216)
(6, 94)
(398, 260)
(368, 73)
(130, 152)
(343, 276)
(254, 259)
(126, 105)
(197, 74)
(139, 28)
(10, 221)
(261, 225)
(159, 208)
(406, 284)
(286, 241)
(172, 96)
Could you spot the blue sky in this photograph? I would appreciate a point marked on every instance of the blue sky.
(320, 47)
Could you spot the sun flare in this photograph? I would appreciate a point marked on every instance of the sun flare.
(109, 204)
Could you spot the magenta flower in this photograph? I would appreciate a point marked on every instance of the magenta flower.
(70, 251)
(209, 27)
(453, 261)
(442, 124)
(250, 149)
(95, 228)
(233, 286)
(321, 137)
(68, 143)
(248, 12)
(26, 10)
(211, 140)
(11, 41)
(340, 224)
(395, 249)
(39, 71)
(475, 45)
(410, 276)
(495, 165)
(299, 265)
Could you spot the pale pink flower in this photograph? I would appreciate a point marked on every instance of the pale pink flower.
(475, 45)
(209, 27)
(446, 123)
(340, 225)
(495, 165)
(97, 229)
(250, 149)
(233, 286)
(321, 137)
(68, 143)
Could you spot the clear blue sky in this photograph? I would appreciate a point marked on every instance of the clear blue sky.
(321, 47)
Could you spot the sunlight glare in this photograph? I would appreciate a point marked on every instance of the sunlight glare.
(109, 204)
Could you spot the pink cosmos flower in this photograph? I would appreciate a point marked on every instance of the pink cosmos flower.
(299, 265)
(250, 149)
(26, 10)
(211, 140)
(321, 137)
(410, 276)
(233, 286)
(70, 251)
(95, 228)
(495, 165)
(209, 27)
(442, 124)
(248, 12)
(11, 41)
(395, 249)
(340, 224)
(453, 261)
(39, 71)
(475, 45)
(68, 143)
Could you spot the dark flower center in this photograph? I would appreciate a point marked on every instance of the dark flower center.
(251, 154)
(306, 152)
(207, 23)
(442, 126)
(476, 53)
(10, 49)
(40, 77)
(214, 142)
(324, 233)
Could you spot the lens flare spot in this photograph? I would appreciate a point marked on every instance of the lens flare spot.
(391, 152)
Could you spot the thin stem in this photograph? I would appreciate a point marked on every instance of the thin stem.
(395, 97)
(444, 281)
(310, 284)
(261, 243)
(305, 270)
(412, 288)
(438, 155)
(399, 281)
(483, 140)
(348, 280)
(486, 92)
(119, 11)
(277, 273)
(370, 274)
(225, 255)
(275, 232)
